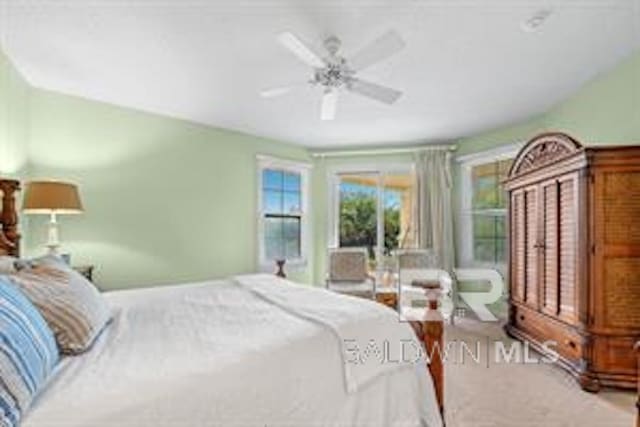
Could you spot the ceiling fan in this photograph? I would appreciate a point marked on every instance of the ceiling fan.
(333, 72)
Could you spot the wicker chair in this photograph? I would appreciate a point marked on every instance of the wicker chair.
(415, 259)
(349, 274)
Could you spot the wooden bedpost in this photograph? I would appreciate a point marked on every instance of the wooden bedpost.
(431, 332)
(10, 238)
(433, 325)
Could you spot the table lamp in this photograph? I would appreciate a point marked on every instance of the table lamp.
(51, 198)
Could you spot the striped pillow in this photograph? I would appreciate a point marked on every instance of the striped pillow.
(71, 305)
(28, 353)
(8, 264)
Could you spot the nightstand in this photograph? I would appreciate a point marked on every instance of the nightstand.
(85, 270)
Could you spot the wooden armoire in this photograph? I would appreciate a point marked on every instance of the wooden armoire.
(574, 256)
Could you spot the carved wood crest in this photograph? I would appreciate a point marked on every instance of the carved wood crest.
(542, 150)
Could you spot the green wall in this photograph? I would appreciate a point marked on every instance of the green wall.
(166, 200)
(14, 128)
(14, 120)
(604, 111)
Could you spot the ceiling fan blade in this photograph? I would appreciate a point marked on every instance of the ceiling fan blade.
(301, 50)
(275, 91)
(381, 48)
(374, 91)
(329, 104)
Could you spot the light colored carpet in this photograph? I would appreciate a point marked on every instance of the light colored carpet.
(514, 395)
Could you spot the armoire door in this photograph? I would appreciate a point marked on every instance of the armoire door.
(558, 249)
(517, 255)
(524, 245)
(550, 283)
(568, 251)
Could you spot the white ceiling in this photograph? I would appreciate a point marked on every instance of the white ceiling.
(468, 66)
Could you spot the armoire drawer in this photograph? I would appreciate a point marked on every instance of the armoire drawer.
(542, 328)
(615, 355)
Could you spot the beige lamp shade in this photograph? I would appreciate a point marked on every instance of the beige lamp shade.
(46, 197)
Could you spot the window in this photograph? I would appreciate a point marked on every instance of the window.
(482, 233)
(282, 209)
(281, 199)
(373, 207)
(489, 211)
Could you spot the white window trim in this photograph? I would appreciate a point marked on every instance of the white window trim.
(302, 168)
(465, 227)
(333, 181)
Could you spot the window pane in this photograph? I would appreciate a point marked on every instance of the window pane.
(282, 238)
(488, 195)
(291, 231)
(272, 178)
(272, 201)
(489, 236)
(501, 251)
(484, 249)
(358, 211)
(484, 226)
(291, 203)
(282, 206)
(291, 227)
(292, 181)
(485, 192)
(501, 201)
(274, 245)
(500, 227)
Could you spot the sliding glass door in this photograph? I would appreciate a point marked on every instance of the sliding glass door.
(374, 209)
(358, 212)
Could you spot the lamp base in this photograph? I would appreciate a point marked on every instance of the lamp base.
(53, 249)
(53, 241)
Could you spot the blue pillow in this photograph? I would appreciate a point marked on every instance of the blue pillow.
(28, 353)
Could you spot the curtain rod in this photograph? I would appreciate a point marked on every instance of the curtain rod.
(373, 151)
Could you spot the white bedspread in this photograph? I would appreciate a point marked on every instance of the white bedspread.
(220, 354)
(354, 326)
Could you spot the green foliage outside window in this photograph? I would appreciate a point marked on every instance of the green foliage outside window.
(358, 223)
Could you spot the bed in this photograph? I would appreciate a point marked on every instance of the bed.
(245, 351)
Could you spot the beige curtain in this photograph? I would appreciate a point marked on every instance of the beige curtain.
(435, 214)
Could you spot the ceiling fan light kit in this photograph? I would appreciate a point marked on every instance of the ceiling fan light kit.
(334, 72)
